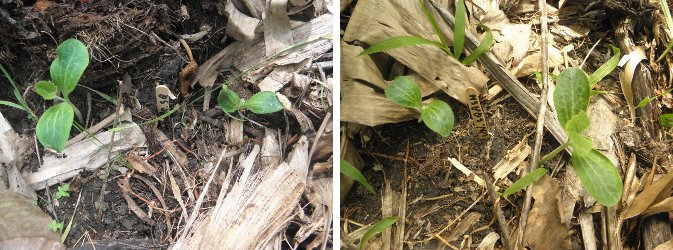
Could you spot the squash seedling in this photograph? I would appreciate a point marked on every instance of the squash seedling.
(53, 127)
(571, 98)
(55, 226)
(437, 115)
(63, 191)
(458, 38)
(264, 102)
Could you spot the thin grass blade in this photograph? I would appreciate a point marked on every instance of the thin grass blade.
(17, 93)
(483, 47)
(459, 29)
(377, 228)
(525, 181)
(13, 105)
(351, 171)
(435, 26)
(606, 68)
(398, 42)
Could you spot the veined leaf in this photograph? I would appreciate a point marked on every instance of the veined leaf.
(666, 120)
(398, 42)
(578, 123)
(404, 92)
(571, 95)
(46, 89)
(580, 143)
(433, 22)
(264, 102)
(377, 228)
(606, 68)
(524, 181)
(69, 65)
(349, 170)
(483, 47)
(599, 176)
(228, 100)
(438, 116)
(459, 29)
(53, 128)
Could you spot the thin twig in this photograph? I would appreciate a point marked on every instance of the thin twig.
(535, 157)
(504, 229)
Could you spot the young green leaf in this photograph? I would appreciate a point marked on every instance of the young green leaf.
(571, 95)
(46, 89)
(54, 126)
(644, 102)
(578, 123)
(435, 27)
(606, 68)
(663, 5)
(438, 116)
(17, 93)
(459, 29)
(398, 42)
(581, 144)
(228, 99)
(377, 228)
(524, 181)
(264, 102)
(349, 170)
(599, 176)
(69, 65)
(483, 47)
(404, 92)
(666, 120)
(55, 226)
(13, 105)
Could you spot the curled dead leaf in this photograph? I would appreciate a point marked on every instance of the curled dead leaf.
(186, 76)
(140, 164)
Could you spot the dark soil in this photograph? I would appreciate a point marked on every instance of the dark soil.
(118, 35)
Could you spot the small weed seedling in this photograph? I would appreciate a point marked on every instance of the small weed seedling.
(53, 127)
(571, 99)
(437, 115)
(380, 226)
(22, 105)
(62, 191)
(55, 226)
(458, 38)
(264, 102)
(351, 171)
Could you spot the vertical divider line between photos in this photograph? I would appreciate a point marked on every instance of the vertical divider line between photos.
(336, 123)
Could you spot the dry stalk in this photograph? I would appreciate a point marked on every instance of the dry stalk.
(502, 222)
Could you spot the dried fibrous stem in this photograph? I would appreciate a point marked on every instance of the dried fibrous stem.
(504, 229)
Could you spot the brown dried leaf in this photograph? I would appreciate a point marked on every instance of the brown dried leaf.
(544, 229)
(186, 76)
(140, 164)
(649, 196)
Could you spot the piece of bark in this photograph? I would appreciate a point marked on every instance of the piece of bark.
(85, 155)
(234, 133)
(656, 230)
(270, 155)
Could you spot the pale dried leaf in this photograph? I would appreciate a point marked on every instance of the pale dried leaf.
(488, 243)
(277, 32)
(544, 229)
(632, 61)
(467, 172)
(649, 196)
(665, 246)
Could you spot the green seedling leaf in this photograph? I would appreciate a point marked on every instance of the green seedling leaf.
(55, 226)
(71, 61)
(578, 123)
(435, 27)
(459, 29)
(380, 226)
(644, 102)
(524, 181)
(438, 116)
(398, 42)
(17, 94)
(571, 95)
(606, 68)
(228, 99)
(264, 102)
(666, 120)
(663, 5)
(102, 95)
(668, 49)
(483, 47)
(599, 176)
(581, 144)
(54, 126)
(46, 89)
(13, 105)
(62, 191)
(351, 171)
(597, 92)
(404, 92)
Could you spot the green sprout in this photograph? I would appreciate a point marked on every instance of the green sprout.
(437, 115)
(62, 191)
(55, 226)
(380, 226)
(349, 170)
(22, 105)
(53, 127)
(458, 38)
(264, 102)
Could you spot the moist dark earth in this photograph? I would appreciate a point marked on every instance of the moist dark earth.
(121, 39)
